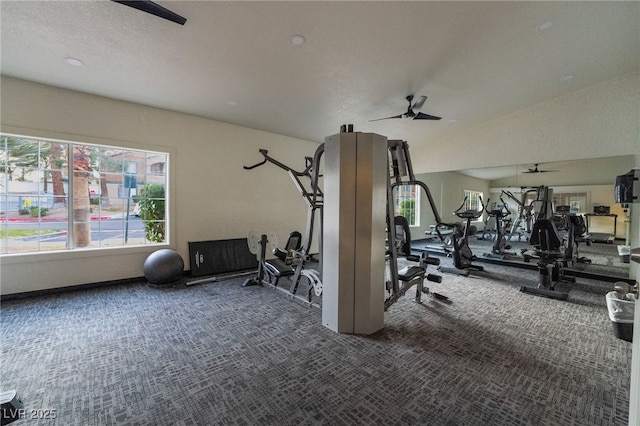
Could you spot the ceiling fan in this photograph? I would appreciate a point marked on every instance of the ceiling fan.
(154, 9)
(536, 170)
(413, 111)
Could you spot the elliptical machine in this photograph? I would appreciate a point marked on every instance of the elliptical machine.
(462, 255)
(499, 212)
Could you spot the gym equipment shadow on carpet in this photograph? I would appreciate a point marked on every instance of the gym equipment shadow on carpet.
(604, 258)
(221, 354)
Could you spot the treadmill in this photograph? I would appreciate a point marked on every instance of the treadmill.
(602, 237)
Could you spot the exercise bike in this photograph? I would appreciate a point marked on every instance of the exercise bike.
(499, 249)
(462, 255)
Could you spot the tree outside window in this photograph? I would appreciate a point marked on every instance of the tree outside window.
(57, 195)
(407, 203)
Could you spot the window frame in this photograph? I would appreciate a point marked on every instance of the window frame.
(399, 196)
(120, 241)
(472, 201)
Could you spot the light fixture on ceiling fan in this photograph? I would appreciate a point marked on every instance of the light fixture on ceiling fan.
(535, 169)
(413, 111)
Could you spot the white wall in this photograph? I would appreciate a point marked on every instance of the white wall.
(447, 189)
(600, 121)
(212, 196)
(594, 171)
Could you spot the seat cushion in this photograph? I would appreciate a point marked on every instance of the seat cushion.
(278, 268)
(409, 273)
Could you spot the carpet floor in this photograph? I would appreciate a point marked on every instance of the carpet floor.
(222, 354)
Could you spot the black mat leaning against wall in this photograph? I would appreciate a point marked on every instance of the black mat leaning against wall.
(220, 257)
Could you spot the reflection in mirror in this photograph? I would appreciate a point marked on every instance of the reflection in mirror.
(581, 187)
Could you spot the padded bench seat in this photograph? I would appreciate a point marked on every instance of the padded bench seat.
(409, 273)
(278, 268)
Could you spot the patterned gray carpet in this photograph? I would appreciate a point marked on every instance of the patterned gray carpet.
(221, 354)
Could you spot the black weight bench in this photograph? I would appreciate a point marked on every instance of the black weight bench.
(277, 268)
(409, 273)
(281, 266)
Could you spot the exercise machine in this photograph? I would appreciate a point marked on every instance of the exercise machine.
(499, 212)
(461, 253)
(404, 269)
(402, 278)
(524, 221)
(543, 203)
(279, 267)
(556, 243)
(409, 275)
(288, 263)
(580, 235)
(573, 229)
(307, 183)
(552, 257)
(602, 212)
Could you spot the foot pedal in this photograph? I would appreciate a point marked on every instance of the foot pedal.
(439, 296)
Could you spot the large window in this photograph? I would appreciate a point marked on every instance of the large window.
(407, 203)
(58, 195)
(576, 202)
(567, 202)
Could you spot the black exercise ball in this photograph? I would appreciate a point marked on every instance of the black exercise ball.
(164, 266)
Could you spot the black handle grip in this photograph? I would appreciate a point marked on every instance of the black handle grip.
(431, 261)
(434, 278)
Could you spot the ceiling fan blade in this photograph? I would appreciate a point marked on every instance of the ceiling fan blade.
(413, 111)
(422, 116)
(386, 118)
(536, 170)
(533, 169)
(416, 107)
(154, 9)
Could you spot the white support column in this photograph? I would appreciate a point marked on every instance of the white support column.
(355, 185)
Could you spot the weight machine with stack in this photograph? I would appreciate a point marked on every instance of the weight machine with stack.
(403, 268)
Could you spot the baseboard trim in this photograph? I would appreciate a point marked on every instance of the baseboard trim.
(59, 290)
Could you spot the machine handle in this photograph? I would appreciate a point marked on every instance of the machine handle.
(434, 278)
(265, 154)
(431, 261)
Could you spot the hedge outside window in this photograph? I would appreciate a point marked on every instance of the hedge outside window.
(407, 203)
(58, 195)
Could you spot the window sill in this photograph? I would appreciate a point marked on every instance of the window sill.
(17, 258)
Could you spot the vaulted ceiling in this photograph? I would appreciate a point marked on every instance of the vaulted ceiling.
(238, 62)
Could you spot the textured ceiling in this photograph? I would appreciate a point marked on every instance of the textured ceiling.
(234, 61)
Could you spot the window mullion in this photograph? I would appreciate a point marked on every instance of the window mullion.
(70, 196)
(43, 162)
